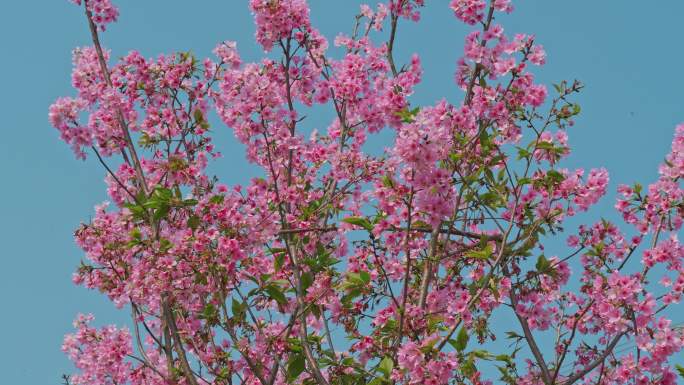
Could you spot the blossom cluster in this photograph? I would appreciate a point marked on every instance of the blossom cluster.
(103, 11)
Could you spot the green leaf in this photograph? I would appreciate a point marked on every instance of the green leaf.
(359, 221)
(295, 367)
(162, 194)
(365, 277)
(307, 280)
(468, 367)
(483, 354)
(224, 374)
(484, 254)
(484, 140)
(523, 153)
(140, 197)
(462, 339)
(513, 335)
(418, 224)
(137, 211)
(316, 311)
(555, 176)
(494, 288)
(408, 116)
(505, 375)
(276, 250)
(387, 181)
(545, 145)
(489, 197)
(386, 366)
(680, 370)
(237, 308)
(358, 279)
(209, 311)
(153, 204)
(524, 181)
(176, 164)
(190, 202)
(200, 278)
(198, 116)
(165, 245)
(193, 222)
(136, 234)
(637, 188)
(543, 265)
(504, 358)
(160, 213)
(217, 199)
(276, 294)
(278, 261)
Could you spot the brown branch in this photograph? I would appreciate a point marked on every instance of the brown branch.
(478, 66)
(427, 268)
(116, 179)
(177, 343)
(572, 379)
(307, 230)
(497, 262)
(119, 115)
(407, 274)
(578, 318)
(390, 44)
(529, 337)
(145, 359)
(452, 231)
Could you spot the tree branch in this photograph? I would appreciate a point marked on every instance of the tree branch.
(529, 337)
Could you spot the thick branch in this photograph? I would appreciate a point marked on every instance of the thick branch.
(529, 337)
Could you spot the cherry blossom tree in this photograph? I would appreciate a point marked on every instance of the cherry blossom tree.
(338, 266)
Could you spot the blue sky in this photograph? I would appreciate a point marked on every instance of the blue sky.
(626, 52)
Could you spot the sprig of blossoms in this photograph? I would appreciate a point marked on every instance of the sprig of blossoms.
(99, 354)
(104, 12)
